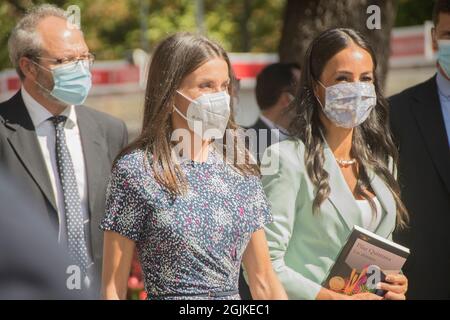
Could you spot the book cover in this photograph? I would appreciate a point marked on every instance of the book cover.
(364, 261)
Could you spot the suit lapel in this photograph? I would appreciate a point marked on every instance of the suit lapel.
(384, 195)
(23, 140)
(343, 200)
(428, 114)
(92, 141)
(340, 194)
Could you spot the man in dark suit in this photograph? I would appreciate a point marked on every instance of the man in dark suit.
(62, 150)
(32, 265)
(275, 89)
(420, 122)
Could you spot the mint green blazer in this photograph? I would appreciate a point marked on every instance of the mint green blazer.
(303, 245)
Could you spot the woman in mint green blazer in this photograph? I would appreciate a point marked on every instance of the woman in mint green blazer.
(335, 172)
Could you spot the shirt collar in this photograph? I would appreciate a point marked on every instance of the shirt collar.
(443, 85)
(39, 114)
(268, 122)
(282, 133)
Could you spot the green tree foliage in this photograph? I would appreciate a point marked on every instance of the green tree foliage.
(413, 12)
(112, 27)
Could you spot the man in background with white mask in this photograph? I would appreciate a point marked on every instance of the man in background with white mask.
(420, 118)
(63, 151)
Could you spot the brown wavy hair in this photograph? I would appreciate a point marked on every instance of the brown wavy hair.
(372, 143)
(174, 58)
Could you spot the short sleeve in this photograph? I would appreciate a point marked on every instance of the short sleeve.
(261, 207)
(126, 209)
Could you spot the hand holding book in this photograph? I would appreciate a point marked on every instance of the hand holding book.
(368, 264)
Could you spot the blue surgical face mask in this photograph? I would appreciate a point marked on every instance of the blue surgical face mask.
(72, 82)
(444, 56)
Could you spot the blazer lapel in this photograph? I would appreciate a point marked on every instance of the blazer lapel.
(340, 194)
(343, 200)
(427, 111)
(384, 195)
(23, 140)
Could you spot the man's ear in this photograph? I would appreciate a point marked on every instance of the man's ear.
(287, 98)
(434, 39)
(28, 68)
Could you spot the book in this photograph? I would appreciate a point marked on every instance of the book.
(363, 262)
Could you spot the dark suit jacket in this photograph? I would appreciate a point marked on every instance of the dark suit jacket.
(260, 144)
(244, 290)
(32, 265)
(424, 175)
(102, 138)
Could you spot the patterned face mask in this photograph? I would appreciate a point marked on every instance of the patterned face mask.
(349, 104)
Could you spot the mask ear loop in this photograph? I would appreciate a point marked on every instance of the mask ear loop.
(42, 67)
(40, 85)
(178, 110)
(317, 98)
(184, 96)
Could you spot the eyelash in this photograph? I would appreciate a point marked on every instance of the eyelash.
(205, 85)
(343, 78)
(209, 85)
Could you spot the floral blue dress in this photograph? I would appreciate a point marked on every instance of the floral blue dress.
(189, 246)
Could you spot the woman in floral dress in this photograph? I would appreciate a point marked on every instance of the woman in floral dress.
(179, 195)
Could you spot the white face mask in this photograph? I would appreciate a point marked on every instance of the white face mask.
(349, 104)
(208, 115)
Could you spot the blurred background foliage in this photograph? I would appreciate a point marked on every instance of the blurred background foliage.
(113, 27)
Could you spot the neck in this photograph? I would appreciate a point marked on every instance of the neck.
(277, 116)
(193, 146)
(442, 72)
(53, 107)
(199, 148)
(339, 140)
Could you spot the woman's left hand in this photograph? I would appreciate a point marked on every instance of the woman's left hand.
(396, 286)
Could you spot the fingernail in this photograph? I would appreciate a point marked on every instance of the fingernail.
(378, 285)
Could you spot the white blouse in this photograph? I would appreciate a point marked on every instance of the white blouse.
(369, 221)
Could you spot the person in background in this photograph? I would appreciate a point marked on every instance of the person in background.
(420, 119)
(275, 88)
(337, 170)
(32, 265)
(62, 150)
(192, 212)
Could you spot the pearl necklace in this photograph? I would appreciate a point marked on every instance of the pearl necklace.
(346, 163)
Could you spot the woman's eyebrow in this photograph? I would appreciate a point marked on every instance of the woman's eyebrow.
(344, 72)
(205, 80)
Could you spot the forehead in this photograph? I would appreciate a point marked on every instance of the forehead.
(215, 69)
(353, 58)
(60, 38)
(444, 21)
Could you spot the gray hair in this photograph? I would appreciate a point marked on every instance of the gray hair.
(24, 39)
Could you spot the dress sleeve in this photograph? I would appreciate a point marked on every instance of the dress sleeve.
(261, 207)
(126, 210)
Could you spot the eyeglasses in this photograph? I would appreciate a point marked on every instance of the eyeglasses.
(90, 57)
